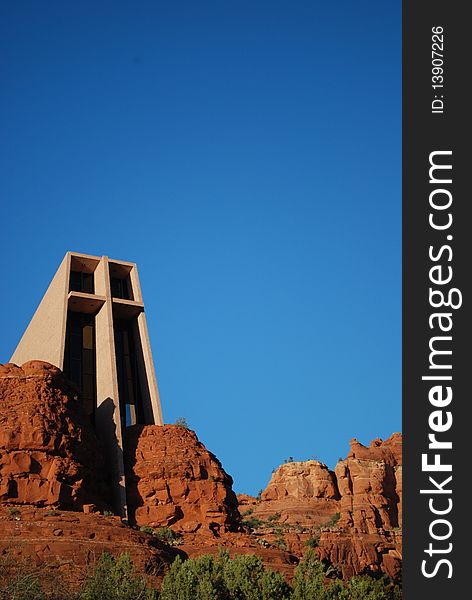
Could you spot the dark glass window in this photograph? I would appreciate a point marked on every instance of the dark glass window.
(121, 288)
(79, 358)
(127, 369)
(81, 282)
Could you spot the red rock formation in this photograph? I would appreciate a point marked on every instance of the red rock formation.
(368, 537)
(49, 454)
(354, 552)
(390, 450)
(399, 491)
(367, 481)
(174, 480)
(301, 493)
(365, 491)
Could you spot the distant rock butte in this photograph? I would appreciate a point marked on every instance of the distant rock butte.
(356, 511)
(303, 493)
(52, 472)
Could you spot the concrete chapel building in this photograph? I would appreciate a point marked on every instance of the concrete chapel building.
(91, 324)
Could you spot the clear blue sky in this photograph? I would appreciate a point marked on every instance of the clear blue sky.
(247, 156)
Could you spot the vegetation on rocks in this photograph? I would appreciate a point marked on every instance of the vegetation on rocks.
(243, 577)
(168, 535)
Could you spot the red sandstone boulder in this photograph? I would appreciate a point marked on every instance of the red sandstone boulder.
(174, 480)
(49, 454)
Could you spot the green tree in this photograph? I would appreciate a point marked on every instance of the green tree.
(243, 577)
(309, 581)
(364, 587)
(116, 579)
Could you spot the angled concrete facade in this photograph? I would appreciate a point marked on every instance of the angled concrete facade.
(91, 324)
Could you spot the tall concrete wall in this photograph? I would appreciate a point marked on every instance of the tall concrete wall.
(44, 338)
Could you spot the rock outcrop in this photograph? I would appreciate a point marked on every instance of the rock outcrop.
(369, 481)
(299, 493)
(354, 553)
(174, 480)
(49, 454)
(368, 537)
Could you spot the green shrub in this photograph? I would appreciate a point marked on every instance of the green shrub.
(181, 422)
(243, 577)
(275, 517)
(115, 579)
(252, 522)
(333, 520)
(24, 586)
(146, 529)
(309, 581)
(167, 535)
(280, 543)
(209, 578)
(364, 587)
(313, 542)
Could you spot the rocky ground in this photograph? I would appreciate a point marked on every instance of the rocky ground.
(55, 505)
